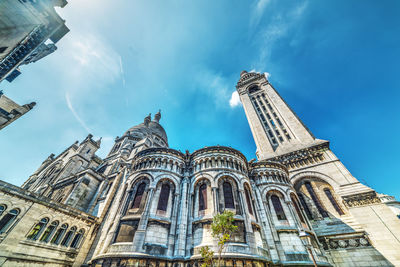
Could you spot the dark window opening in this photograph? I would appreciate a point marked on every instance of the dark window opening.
(310, 190)
(228, 195)
(297, 208)
(247, 194)
(305, 206)
(280, 214)
(203, 197)
(333, 201)
(164, 196)
(138, 196)
(2, 49)
(8, 219)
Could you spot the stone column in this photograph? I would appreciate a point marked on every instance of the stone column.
(215, 200)
(172, 230)
(245, 211)
(140, 234)
(182, 219)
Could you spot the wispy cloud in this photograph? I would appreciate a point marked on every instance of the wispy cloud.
(235, 100)
(258, 11)
(77, 117)
(122, 71)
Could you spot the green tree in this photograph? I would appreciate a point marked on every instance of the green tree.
(208, 257)
(222, 228)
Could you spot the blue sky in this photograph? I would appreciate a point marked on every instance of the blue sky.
(335, 62)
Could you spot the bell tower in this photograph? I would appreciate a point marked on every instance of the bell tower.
(276, 128)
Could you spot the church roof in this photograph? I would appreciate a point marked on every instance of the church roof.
(148, 128)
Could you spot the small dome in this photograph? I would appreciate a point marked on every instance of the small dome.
(153, 128)
(243, 73)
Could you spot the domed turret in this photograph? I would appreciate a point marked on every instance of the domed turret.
(147, 128)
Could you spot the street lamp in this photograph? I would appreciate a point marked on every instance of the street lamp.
(306, 239)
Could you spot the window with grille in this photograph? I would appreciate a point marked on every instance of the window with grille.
(138, 196)
(228, 195)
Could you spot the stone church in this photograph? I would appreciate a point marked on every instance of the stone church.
(146, 204)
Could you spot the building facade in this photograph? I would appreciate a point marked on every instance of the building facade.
(11, 111)
(28, 32)
(146, 204)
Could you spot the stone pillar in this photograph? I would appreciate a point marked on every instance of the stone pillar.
(182, 219)
(140, 234)
(215, 200)
(172, 230)
(245, 211)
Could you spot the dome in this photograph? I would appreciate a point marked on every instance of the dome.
(152, 128)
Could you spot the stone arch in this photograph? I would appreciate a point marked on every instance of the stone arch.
(298, 178)
(173, 178)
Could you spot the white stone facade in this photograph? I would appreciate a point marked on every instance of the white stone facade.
(146, 204)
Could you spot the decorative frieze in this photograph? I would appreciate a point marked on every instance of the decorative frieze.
(346, 241)
(362, 199)
(303, 157)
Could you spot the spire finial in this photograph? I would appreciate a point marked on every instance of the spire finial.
(147, 120)
(157, 117)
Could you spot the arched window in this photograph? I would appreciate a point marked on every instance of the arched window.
(138, 196)
(328, 193)
(37, 229)
(48, 232)
(203, 197)
(297, 208)
(59, 234)
(253, 89)
(305, 206)
(247, 194)
(68, 236)
(280, 214)
(2, 209)
(228, 195)
(164, 196)
(77, 239)
(8, 219)
(315, 199)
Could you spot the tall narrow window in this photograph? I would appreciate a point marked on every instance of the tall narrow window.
(138, 196)
(77, 239)
(280, 214)
(59, 234)
(8, 219)
(296, 206)
(305, 206)
(2, 209)
(228, 195)
(164, 196)
(48, 232)
(328, 193)
(34, 233)
(315, 199)
(68, 236)
(248, 200)
(203, 197)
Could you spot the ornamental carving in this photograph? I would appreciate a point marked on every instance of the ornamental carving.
(303, 157)
(345, 241)
(361, 199)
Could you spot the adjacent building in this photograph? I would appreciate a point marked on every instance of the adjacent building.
(146, 204)
(29, 31)
(10, 111)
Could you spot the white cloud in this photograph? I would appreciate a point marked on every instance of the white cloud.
(235, 100)
(71, 108)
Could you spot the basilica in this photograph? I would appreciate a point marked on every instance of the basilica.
(147, 204)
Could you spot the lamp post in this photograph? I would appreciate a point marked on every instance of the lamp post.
(306, 239)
